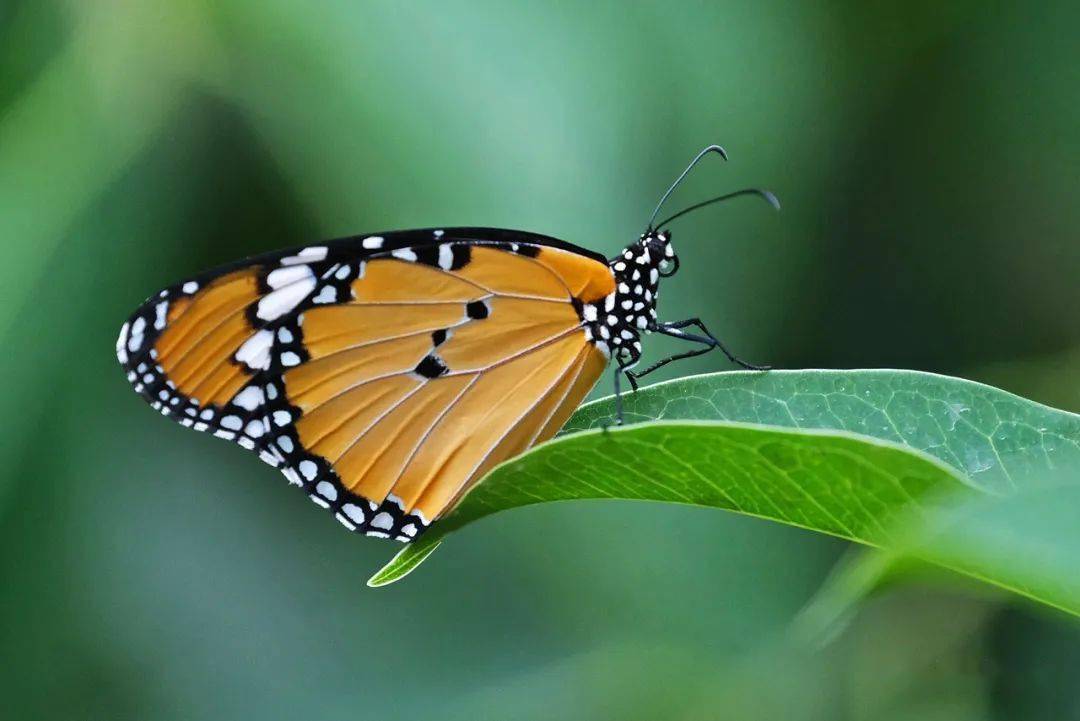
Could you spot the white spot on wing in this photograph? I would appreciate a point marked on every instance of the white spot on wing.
(373, 243)
(354, 512)
(291, 475)
(328, 294)
(326, 490)
(121, 342)
(255, 352)
(446, 256)
(283, 300)
(284, 276)
(135, 336)
(307, 255)
(250, 398)
(160, 311)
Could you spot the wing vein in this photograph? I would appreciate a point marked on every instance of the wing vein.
(377, 420)
(522, 380)
(484, 369)
(573, 365)
(431, 429)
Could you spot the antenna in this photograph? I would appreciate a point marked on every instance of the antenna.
(702, 154)
(763, 194)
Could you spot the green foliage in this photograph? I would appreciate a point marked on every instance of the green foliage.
(942, 468)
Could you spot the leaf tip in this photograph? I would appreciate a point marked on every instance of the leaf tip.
(404, 562)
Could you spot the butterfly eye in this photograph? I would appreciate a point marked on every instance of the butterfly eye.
(668, 266)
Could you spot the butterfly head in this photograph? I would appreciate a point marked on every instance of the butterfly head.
(658, 243)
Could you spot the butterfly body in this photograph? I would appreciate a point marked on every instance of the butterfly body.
(617, 322)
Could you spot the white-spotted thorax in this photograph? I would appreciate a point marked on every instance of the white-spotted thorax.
(616, 322)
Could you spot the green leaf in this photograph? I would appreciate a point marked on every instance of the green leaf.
(1027, 543)
(861, 451)
(999, 441)
(829, 481)
(406, 560)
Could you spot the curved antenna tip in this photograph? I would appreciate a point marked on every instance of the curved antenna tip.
(770, 199)
(758, 192)
(716, 149)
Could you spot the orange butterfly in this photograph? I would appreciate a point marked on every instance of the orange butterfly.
(387, 373)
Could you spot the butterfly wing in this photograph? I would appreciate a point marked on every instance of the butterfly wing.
(384, 374)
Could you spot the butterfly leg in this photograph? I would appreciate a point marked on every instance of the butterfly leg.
(708, 342)
(616, 377)
(661, 363)
(675, 330)
(623, 368)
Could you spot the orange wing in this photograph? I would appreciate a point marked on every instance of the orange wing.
(384, 374)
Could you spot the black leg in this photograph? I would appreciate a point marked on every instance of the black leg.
(709, 341)
(618, 396)
(712, 340)
(623, 368)
(661, 363)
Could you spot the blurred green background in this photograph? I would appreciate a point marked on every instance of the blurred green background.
(928, 158)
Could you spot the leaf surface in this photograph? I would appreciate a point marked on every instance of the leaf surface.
(863, 455)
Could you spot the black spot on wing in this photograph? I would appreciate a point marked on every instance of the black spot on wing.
(477, 310)
(428, 255)
(431, 367)
(439, 337)
(462, 254)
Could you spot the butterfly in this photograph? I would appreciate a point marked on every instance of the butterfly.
(386, 373)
